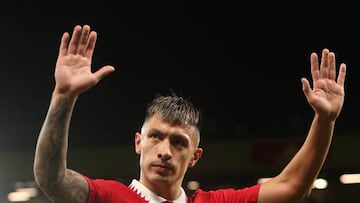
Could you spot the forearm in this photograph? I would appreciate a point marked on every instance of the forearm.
(297, 178)
(307, 163)
(51, 149)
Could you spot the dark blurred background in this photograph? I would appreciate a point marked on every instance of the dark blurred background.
(241, 64)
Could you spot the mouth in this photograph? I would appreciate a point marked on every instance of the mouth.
(162, 168)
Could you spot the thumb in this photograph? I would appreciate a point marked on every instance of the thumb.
(104, 71)
(306, 87)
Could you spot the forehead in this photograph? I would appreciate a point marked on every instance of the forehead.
(157, 123)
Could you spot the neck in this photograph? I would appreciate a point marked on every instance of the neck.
(167, 190)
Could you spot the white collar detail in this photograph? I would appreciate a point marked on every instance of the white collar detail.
(150, 196)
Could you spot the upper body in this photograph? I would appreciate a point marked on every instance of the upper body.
(111, 191)
(168, 143)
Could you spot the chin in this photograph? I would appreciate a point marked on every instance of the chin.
(161, 178)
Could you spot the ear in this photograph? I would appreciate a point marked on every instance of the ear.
(138, 143)
(196, 156)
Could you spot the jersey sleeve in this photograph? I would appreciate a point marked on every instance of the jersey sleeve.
(99, 189)
(110, 191)
(229, 195)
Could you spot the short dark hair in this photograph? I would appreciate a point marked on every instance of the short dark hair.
(175, 110)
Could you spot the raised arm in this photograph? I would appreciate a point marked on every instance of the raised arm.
(326, 99)
(73, 76)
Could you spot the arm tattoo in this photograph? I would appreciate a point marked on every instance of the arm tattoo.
(50, 169)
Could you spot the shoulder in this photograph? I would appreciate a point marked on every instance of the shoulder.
(247, 194)
(104, 183)
(111, 191)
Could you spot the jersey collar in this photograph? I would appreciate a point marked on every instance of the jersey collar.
(150, 196)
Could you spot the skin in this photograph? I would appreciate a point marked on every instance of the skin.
(326, 99)
(73, 76)
(167, 151)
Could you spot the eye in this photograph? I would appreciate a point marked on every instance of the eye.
(155, 135)
(179, 141)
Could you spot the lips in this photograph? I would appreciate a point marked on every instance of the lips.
(162, 167)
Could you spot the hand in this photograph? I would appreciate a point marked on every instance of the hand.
(73, 68)
(327, 95)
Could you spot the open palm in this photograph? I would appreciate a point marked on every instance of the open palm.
(73, 72)
(327, 95)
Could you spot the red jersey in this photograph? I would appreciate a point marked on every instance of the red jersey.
(112, 191)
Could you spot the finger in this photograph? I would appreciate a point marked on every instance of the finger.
(314, 66)
(74, 40)
(64, 44)
(103, 72)
(306, 87)
(332, 65)
(83, 40)
(342, 74)
(324, 66)
(91, 45)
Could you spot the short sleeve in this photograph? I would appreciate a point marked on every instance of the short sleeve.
(230, 195)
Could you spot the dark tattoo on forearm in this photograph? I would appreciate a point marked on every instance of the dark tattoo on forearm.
(50, 167)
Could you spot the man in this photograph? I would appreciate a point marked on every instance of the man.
(168, 143)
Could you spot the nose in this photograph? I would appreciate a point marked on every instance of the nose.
(164, 150)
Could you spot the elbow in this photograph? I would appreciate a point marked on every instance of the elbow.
(45, 180)
(298, 192)
(40, 178)
(40, 174)
(307, 193)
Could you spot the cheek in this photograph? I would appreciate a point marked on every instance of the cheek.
(185, 159)
(146, 151)
(144, 160)
(144, 146)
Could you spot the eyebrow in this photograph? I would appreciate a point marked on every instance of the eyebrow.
(177, 135)
(183, 138)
